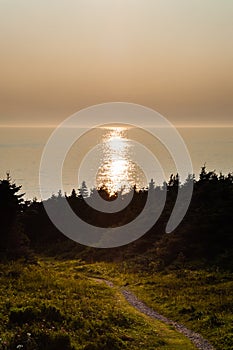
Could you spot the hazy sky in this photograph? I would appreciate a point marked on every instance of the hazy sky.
(58, 56)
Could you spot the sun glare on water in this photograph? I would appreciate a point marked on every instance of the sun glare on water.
(117, 171)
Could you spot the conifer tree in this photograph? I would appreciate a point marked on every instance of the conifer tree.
(13, 241)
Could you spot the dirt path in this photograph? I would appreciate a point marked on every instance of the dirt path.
(196, 339)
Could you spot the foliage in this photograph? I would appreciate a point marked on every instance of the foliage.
(201, 299)
(57, 305)
(185, 275)
(204, 238)
(14, 242)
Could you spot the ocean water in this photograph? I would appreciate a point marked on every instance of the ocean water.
(108, 156)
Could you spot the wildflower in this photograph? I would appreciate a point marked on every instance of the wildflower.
(20, 346)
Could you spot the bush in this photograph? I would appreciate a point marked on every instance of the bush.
(55, 341)
(30, 314)
(106, 342)
(23, 315)
(51, 314)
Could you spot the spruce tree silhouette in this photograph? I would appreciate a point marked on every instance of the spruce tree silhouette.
(83, 191)
(13, 241)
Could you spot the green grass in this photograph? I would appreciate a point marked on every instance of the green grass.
(203, 306)
(201, 300)
(58, 306)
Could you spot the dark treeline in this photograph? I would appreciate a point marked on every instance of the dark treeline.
(203, 238)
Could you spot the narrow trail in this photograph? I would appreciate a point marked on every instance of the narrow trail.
(196, 339)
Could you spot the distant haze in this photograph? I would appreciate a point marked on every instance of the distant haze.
(58, 56)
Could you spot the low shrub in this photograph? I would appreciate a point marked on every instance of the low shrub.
(23, 315)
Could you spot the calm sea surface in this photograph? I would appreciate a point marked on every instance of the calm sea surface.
(108, 156)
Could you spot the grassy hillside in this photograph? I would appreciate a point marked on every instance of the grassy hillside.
(59, 306)
(200, 299)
